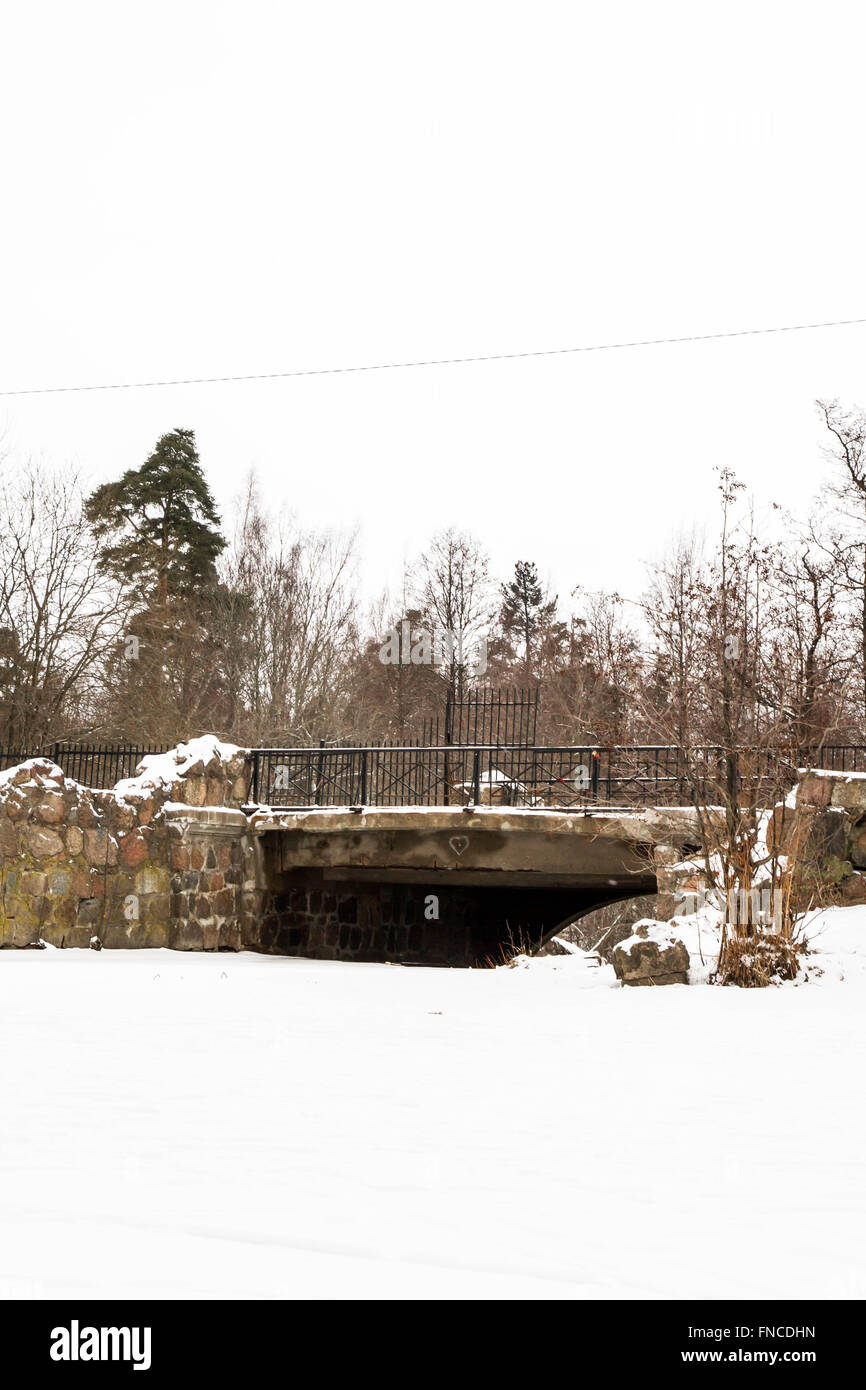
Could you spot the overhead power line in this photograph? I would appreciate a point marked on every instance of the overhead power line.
(425, 362)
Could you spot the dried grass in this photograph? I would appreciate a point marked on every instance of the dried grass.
(764, 958)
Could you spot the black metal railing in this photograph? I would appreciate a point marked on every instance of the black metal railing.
(98, 766)
(515, 775)
(498, 774)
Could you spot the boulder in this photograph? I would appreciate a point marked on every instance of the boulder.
(51, 810)
(858, 847)
(814, 789)
(133, 850)
(41, 842)
(849, 792)
(852, 890)
(100, 848)
(652, 956)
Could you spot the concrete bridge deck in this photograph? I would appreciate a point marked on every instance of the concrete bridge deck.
(515, 843)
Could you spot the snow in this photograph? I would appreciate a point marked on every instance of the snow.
(833, 774)
(247, 1126)
(45, 773)
(161, 770)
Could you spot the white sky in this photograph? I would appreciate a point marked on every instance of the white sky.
(197, 188)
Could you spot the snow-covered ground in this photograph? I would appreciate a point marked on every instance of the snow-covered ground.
(242, 1126)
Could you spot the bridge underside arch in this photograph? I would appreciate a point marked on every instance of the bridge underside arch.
(430, 923)
(442, 886)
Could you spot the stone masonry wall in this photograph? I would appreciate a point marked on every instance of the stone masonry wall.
(213, 868)
(822, 829)
(82, 867)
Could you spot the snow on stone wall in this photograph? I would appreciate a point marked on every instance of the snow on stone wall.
(81, 867)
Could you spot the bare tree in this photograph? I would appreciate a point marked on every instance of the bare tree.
(756, 677)
(452, 588)
(590, 695)
(805, 672)
(59, 616)
(290, 606)
(673, 608)
(845, 540)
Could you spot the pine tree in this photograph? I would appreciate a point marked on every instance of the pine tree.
(525, 609)
(159, 524)
(158, 529)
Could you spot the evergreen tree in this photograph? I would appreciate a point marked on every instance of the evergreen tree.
(158, 528)
(525, 610)
(159, 524)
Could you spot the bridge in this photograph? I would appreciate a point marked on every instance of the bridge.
(441, 854)
(439, 885)
(464, 854)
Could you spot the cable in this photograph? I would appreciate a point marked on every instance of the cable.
(431, 362)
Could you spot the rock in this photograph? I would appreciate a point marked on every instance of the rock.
(151, 880)
(814, 790)
(133, 850)
(99, 848)
(32, 883)
(17, 807)
(65, 934)
(657, 959)
(849, 793)
(197, 767)
(677, 881)
(810, 834)
(826, 837)
(852, 890)
(194, 791)
(41, 842)
(215, 791)
(64, 914)
(87, 816)
(20, 923)
(48, 773)
(780, 827)
(8, 839)
(236, 765)
(74, 841)
(88, 911)
(178, 856)
(159, 910)
(39, 772)
(23, 910)
(121, 816)
(51, 810)
(858, 848)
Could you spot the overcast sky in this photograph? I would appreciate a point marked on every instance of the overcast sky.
(194, 189)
